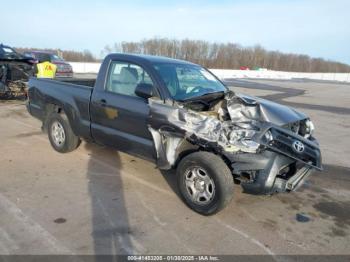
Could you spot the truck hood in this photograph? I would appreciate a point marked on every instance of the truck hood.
(272, 112)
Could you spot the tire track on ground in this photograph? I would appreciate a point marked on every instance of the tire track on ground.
(285, 92)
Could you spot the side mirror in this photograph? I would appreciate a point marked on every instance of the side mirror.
(144, 90)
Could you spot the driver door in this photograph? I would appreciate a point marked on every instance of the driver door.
(118, 116)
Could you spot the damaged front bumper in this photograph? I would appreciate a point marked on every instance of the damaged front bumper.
(278, 168)
(269, 172)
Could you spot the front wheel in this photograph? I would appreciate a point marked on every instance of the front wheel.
(205, 182)
(60, 134)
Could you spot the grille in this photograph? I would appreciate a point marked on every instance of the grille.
(283, 142)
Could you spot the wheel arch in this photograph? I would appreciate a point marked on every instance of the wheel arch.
(186, 148)
(59, 109)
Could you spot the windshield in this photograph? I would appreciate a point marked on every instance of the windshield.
(43, 57)
(188, 81)
(56, 58)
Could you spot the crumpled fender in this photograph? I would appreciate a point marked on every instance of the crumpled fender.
(171, 123)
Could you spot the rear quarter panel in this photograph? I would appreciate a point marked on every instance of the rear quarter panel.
(45, 94)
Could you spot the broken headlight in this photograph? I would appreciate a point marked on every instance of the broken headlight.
(241, 140)
(307, 128)
(241, 134)
(268, 136)
(250, 144)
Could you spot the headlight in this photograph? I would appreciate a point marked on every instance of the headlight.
(242, 140)
(252, 145)
(241, 134)
(268, 135)
(309, 128)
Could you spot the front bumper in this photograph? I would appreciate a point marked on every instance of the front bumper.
(269, 172)
(277, 168)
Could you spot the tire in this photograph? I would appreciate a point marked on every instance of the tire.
(203, 195)
(60, 133)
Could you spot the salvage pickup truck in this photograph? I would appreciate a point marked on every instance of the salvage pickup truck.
(181, 116)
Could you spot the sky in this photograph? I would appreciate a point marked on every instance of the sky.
(316, 28)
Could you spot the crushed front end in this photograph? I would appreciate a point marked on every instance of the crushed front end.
(282, 163)
(15, 71)
(269, 147)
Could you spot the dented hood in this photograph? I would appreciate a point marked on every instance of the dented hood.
(273, 112)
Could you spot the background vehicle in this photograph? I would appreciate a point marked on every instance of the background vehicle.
(15, 70)
(181, 116)
(64, 69)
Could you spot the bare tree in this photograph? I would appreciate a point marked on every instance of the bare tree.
(229, 55)
(212, 55)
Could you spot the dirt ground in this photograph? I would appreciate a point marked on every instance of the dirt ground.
(99, 201)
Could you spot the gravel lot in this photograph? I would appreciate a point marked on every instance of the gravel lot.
(99, 201)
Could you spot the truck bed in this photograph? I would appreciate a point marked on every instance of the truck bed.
(72, 95)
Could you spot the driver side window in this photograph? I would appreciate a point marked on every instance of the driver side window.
(123, 77)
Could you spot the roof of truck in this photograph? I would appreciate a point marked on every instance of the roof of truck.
(150, 58)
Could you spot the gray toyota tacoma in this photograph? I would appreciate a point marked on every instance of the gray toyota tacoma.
(179, 115)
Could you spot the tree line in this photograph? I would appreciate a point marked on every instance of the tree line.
(228, 55)
(211, 55)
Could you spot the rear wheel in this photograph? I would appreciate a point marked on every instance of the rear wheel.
(205, 182)
(60, 133)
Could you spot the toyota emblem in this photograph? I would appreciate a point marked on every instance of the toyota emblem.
(298, 146)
